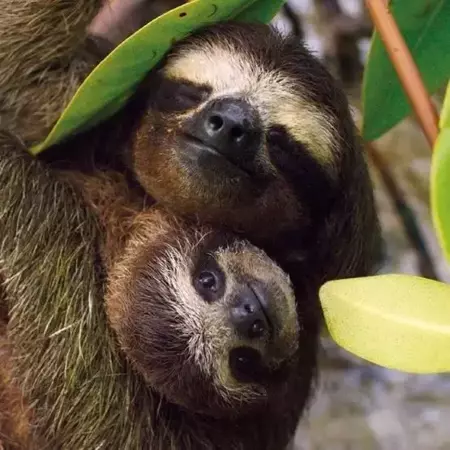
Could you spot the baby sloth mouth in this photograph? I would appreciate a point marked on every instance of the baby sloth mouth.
(227, 132)
(261, 350)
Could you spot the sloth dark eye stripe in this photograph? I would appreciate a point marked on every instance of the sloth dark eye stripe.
(172, 95)
(297, 164)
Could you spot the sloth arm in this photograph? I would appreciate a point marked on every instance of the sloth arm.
(47, 235)
(47, 254)
(39, 76)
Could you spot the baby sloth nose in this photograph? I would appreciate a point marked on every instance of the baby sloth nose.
(230, 126)
(249, 316)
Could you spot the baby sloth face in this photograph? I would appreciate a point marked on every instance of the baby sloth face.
(209, 321)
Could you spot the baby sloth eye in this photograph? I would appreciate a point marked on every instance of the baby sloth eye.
(207, 280)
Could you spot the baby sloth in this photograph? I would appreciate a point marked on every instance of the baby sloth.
(209, 321)
(207, 318)
(199, 343)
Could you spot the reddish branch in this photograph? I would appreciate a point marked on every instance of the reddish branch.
(405, 67)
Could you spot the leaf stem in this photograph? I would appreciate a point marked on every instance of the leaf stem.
(405, 67)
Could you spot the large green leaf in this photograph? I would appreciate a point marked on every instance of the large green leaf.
(425, 25)
(397, 321)
(440, 179)
(113, 81)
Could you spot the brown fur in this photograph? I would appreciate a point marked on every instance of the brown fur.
(46, 54)
(87, 393)
(15, 414)
(42, 61)
(319, 189)
(308, 200)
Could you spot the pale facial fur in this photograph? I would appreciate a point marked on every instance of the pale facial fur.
(204, 326)
(278, 100)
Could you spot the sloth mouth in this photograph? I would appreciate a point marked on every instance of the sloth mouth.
(200, 145)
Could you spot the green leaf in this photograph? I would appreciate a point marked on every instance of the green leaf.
(114, 80)
(440, 179)
(425, 26)
(397, 321)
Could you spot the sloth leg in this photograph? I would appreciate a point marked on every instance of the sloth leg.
(39, 75)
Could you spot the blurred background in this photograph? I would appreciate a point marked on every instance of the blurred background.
(359, 406)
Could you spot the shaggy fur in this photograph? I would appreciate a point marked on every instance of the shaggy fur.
(42, 61)
(82, 392)
(46, 54)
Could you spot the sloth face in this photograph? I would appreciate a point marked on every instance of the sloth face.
(242, 121)
(210, 322)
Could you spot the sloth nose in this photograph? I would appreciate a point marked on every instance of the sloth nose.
(249, 315)
(230, 126)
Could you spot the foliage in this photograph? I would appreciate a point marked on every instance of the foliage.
(397, 321)
(424, 25)
(440, 179)
(400, 321)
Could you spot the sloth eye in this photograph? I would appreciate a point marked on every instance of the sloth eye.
(207, 280)
(276, 134)
(300, 168)
(189, 95)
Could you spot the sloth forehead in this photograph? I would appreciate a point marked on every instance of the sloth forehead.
(279, 98)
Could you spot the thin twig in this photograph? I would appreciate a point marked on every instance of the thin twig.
(405, 67)
(405, 213)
